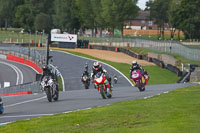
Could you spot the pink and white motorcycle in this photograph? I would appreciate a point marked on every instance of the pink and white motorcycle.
(140, 81)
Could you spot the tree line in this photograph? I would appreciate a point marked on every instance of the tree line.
(67, 15)
(181, 15)
(76, 15)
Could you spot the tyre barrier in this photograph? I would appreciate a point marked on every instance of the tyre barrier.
(174, 70)
(185, 77)
(82, 43)
(158, 63)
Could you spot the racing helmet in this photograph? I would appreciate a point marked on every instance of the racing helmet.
(45, 68)
(96, 65)
(134, 62)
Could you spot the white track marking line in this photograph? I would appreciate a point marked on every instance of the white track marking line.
(17, 81)
(24, 102)
(99, 61)
(21, 76)
(20, 72)
(17, 116)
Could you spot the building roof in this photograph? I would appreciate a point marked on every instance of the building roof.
(143, 15)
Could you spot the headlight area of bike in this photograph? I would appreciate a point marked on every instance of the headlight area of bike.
(99, 80)
(47, 82)
(84, 78)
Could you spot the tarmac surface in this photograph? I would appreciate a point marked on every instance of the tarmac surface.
(15, 73)
(75, 97)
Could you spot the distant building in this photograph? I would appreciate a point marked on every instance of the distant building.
(142, 22)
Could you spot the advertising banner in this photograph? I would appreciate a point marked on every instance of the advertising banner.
(64, 38)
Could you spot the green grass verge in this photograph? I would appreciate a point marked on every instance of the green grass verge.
(157, 74)
(175, 112)
(60, 85)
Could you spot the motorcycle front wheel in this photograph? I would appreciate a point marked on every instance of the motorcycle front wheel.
(86, 86)
(109, 94)
(103, 94)
(56, 94)
(139, 86)
(49, 94)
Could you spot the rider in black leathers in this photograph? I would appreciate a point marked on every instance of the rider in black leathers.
(47, 72)
(85, 72)
(136, 66)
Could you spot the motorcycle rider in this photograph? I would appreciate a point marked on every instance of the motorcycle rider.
(136, 66)
(98, 68)
(47, 72)
(85, 71)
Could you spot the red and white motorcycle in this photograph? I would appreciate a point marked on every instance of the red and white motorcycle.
(99, 80)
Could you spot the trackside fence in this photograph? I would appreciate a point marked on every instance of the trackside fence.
(26, 53)
(172, 47)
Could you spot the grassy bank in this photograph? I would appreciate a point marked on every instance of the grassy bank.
(157, 74)
(175, 112)
(181, 59)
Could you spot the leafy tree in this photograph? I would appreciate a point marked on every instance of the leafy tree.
(7, 8)
(24, 17)
(99, 22)
(43, 22)
(26, 13)
(86, 14)
(65, 16)
(174, 19)
(188, 16)
(116, 12)
(159, 13)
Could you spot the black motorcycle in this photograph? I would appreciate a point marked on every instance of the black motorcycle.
(50, 87)
(1, 106)
(86, 81)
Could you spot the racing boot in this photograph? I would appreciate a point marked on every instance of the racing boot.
(133, 82)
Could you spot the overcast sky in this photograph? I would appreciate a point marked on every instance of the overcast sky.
(141, 3)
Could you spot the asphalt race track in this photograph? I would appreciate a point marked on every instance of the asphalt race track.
(75, 97)
(15, 73)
